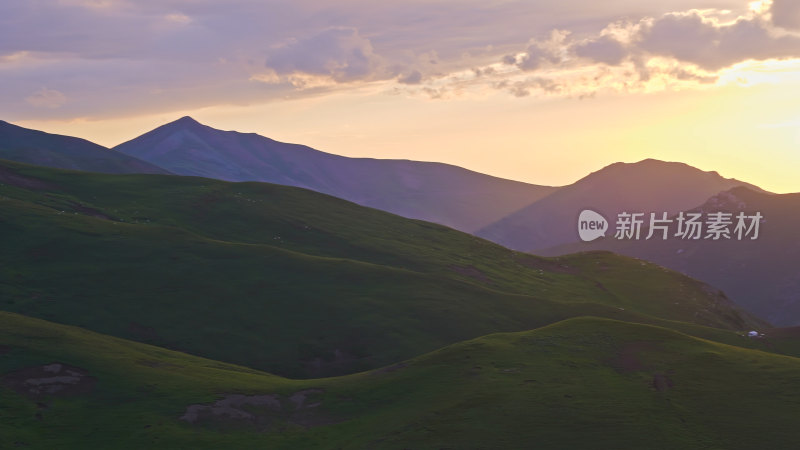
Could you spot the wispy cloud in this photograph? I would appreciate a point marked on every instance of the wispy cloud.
(46, 98)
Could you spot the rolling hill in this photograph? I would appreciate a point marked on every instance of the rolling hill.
(295, 282)
(761, 275)
(435, 192)
(581, 383)
(645, 186)
(66, 152)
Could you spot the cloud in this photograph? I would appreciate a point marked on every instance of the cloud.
(696, 37)
(536, 56)
(435, 93)
(523, 88)
(122, 57)
(604, 49)
(692, 38)
(540, 53)
(672, 51)
(680, 73)
(46, 98)
(340, 53)
(413, 77)
(786, 14)
(509, 60)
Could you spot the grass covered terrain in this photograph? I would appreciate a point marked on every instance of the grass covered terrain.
(264, 279)
(580, 383)
(295, 282)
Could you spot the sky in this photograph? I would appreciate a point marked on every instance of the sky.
(541, 91)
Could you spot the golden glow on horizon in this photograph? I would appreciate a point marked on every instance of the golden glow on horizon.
(745, 126)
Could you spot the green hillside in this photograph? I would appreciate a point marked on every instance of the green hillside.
(580, 383)
(295, 282)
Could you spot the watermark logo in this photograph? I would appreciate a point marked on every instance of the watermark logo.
(591, 225)
(686, 225)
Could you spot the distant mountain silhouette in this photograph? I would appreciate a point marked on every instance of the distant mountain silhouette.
(761, 275)
(435, 192)
(646, 186)
(66, 152)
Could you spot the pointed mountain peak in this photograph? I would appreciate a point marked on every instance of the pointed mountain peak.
(182, 124)
(190, 124)
(186, 121)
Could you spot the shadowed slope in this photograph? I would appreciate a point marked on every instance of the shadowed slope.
(646, 186)
(436, 192)
(65, 152)
(761, 275)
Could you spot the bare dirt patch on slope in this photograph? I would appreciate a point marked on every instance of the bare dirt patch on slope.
(266, 413)
(54, 379)
(8, 176)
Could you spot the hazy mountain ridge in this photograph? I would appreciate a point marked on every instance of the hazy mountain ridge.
(66, 152)
(646, 186)
(761, 275)
(435, 192)
(451, 194)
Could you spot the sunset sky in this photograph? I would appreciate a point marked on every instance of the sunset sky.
(540, 91)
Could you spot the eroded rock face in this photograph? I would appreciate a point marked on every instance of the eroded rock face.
(264, 412)
(54, 379)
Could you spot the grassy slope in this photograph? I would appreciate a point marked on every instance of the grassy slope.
(581, 383)
(291, 281)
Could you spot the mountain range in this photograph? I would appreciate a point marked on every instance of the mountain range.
(762, 275)
(66, 152)
(646, 186)
(434, 192)
(517, 215)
